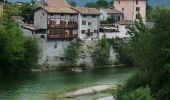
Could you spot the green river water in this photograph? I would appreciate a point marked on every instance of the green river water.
(45, 85)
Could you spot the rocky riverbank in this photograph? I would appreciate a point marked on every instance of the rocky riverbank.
(91, 90)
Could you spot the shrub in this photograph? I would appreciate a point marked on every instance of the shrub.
(139, 94)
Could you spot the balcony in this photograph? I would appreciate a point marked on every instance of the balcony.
(62, 36)
(63, 26)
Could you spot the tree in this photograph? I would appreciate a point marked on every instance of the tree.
(27, 12)
(11, 44)
(31, 54)
(139, 94)
(72, 3)
(150, 51)
(72, 52)
(102, 4)
(101, 54)
(91, 5)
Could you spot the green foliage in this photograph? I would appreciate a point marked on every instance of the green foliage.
(98, 4)
(72, 52)
(101, 54)
(150, 51)
(102, 4)
(91, 5)
(139, 94)
(31, 54)
(11, 44)
(148, 12)
(27, 11)
(13, 50)
(109, 20)
(72, 3)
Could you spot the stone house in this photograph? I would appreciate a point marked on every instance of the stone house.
(89, 22)
(131, 9)
(56, 24)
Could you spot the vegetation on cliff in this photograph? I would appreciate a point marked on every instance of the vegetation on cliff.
(101, 54)
(72, 52)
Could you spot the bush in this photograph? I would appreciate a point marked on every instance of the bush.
(72, 52)
(117, 62)
(102, 53)
(139, 94)
(139, 79)
(31, 54)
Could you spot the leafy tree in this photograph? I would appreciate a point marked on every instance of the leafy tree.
(91, 5)
(72, 52)
(111, 4)
(101, 54)
(27, 12)
(11, 44)
(150, 51)
(109, 20)
(139, 94)
(31, 54)
(72, 3)
(102, 4)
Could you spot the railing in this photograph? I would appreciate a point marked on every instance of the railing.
(66, 26)
(63, 36)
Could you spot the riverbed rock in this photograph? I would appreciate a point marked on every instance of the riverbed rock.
(90, 90)
(107, 98)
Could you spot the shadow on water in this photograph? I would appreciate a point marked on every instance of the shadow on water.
(41, 85)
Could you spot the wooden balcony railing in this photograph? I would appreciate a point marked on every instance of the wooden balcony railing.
(63, 36)
(66, 26)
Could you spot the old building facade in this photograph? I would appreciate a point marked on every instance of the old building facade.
(56, 25)
(131, 9)
(89, 22)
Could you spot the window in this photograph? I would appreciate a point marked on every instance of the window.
(55, 46)
(136, 2)
(119, 2)
(137, 9)
(95, 31)
(122, 9)
(83, 31)
(83, 22)
(137, 16)
(51, 14)
(89, 23)
(43, 14)
(93, 16)
(84, 16)
(62, 14)
(71, 15)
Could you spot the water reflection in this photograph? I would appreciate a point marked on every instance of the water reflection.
(39, 86)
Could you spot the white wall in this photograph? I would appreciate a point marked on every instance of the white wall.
(53, 51)
(27, 32)
(94, 26)
(121, 34)
(40, 18)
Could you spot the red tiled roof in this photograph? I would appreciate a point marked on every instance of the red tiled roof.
(84, 10)
(59, 10)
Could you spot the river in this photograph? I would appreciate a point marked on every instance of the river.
(45, 85)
